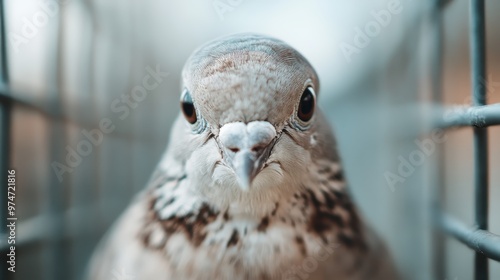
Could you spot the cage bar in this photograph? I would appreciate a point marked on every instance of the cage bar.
(5, 122)
(483, 242)
(436, 168)
(478, 62)
(477, 116)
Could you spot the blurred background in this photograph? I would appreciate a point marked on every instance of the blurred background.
(73, 64)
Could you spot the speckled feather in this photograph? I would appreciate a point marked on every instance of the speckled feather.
(297, 221)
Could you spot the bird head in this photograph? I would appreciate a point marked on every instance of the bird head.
(250, 127)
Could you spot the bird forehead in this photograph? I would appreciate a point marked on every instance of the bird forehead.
(247, 94)
(237, 59)
(235, 69)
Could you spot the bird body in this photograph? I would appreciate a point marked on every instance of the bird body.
(251, 185)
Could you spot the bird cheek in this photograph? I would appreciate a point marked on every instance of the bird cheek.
(201, 163)
(293, 163)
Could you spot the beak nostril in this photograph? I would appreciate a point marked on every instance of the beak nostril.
(234, 150)
(257, 148)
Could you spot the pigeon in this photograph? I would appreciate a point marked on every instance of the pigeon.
(251, 185)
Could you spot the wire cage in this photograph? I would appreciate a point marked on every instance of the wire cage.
(479, 117)
(81, 206)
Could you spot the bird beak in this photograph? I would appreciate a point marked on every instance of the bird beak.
(246, 165)
(246, 148)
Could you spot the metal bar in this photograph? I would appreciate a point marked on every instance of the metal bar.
(437, 167)
(53, 112)
(39, 228)
(483, 242)
(17, 98)
(478, 116)
(478, 57)
(445, 117)
(57, 259)
(443, 3)
(5, 122)
(4, 79)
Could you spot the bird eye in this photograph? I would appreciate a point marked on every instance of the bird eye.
(187, 107)
(306, 105)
